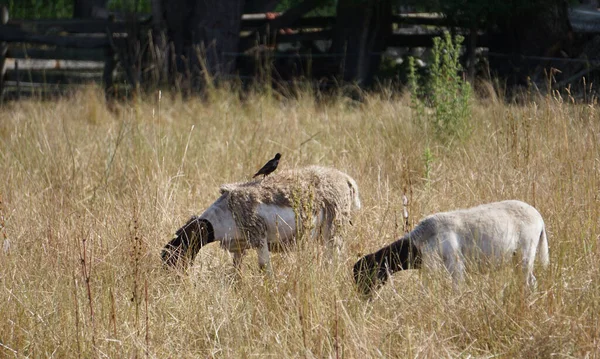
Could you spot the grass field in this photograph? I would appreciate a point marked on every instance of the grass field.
(90, 196)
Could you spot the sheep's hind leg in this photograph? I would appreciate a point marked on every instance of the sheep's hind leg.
(527, 264)
(329, 228)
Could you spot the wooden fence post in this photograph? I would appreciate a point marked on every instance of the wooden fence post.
(471, 55)
(3, 50)
(109, 63)
(18, 79)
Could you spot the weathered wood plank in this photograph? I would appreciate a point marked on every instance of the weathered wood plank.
(73, 26)
(288, 18)
(59, 53)
(37, 92)
(420, 19)
(84, 26)
(13, 85)
(52, 77)
(302, 23)
(37, 64)
(10, 34)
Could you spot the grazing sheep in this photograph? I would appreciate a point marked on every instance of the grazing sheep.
(485, 235)
(264, 214)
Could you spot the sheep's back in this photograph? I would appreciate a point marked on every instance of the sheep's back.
(325, 187)
(492, 229)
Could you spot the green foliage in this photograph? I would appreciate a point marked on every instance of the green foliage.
(445, 91)
(39, 9)
(415, 89)
(450, 93)
(62, 9)
(485, 12)
(143, 6)
(428, 160)
(327, 8)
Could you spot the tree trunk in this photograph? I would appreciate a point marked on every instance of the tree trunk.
(360, 35)
(84, 8)
(217, 29)
(157, 15)
(205, 35)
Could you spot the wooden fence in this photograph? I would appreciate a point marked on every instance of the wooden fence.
(46, 56)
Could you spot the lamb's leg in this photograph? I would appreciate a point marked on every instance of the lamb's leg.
(527, 264)
(456, 267)
(453, 260)
(264, 256)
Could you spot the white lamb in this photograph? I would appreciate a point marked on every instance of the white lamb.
(264, 214)
(486, 235)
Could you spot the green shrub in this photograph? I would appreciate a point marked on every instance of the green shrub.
(39, 9)
(63, 9)
(444, 90)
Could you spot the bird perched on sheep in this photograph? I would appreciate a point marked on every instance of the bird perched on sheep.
(268, 214)
(486, 234)
(269, 167)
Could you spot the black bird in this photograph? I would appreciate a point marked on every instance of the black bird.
(269, 166)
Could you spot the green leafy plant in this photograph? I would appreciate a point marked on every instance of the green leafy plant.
(444, 90)
(428, 161)
(39, 9)
(415, 89)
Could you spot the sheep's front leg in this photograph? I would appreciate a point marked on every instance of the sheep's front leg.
(264, 256)
(453, 260)
(238, 256)
(456, 267)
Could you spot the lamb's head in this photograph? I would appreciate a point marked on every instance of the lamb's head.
(368, 273)
(181, 250)
(374, 269)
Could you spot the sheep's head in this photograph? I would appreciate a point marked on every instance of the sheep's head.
(368, 272)
(181, 250)
(374, 269)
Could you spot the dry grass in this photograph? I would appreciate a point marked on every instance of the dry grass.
(89, 197)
